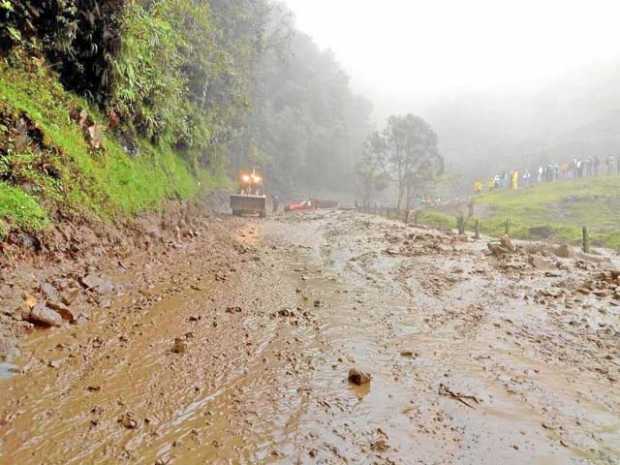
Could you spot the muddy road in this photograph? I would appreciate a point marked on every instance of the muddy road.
(243, 357)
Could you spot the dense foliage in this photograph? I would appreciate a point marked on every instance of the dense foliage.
(221, 81)
(79, 38)
(307, 127)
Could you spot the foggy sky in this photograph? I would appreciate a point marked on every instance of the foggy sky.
(395, 49)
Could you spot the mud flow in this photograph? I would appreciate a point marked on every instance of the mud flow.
(475, 356)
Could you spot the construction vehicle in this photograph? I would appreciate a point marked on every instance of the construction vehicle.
(251, 199)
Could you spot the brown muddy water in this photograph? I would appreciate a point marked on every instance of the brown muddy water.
(473, 360)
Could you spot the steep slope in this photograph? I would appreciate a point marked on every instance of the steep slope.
(50, 166)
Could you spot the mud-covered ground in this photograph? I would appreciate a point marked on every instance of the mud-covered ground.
(237, 349)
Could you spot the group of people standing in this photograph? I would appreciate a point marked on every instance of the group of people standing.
(574, 169)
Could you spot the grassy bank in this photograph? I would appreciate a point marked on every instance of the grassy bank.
(558, 210)
(554, 211)
(62, 172)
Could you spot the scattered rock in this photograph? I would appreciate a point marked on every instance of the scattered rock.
(565, 251)
(97, 284)
(506, 242)
(179, 346)
(540, 263)
(380, 445)
(70, 295)
(285, 312)
(49, 291)
(44, 316)
(498, 249)
(128, 421)
(358, 377)
(30, 301)
(63, 311)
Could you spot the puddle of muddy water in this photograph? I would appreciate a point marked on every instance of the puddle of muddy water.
(8, 370)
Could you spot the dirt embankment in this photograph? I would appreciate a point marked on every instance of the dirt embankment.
(64, 274)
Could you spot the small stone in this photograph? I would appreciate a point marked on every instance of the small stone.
(540, 263)
(43, 316)
(128, 421)
(64, 311)
(506, 242)
(565, 251)
(380, 445)
(30, 301)
(179, 346)
(49, 291)
(358, 377)
(70, 295)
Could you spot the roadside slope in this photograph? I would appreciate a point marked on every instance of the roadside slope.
(50, 166)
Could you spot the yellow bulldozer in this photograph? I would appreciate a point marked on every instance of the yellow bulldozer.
(251, 199)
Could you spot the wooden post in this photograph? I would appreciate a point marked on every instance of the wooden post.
(586, 240)
(471, 207)
(477, 226)
(460, 222)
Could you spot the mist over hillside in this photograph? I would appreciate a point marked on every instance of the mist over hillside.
(575, 115)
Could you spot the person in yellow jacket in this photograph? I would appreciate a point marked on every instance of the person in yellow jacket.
(478, 187)
(515, 180)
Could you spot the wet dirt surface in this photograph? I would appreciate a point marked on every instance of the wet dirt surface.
(244, 356)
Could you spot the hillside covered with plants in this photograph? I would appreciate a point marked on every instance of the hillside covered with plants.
(110, 107)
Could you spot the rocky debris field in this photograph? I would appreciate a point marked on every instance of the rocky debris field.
(327, 337)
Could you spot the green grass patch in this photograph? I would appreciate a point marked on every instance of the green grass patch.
(437, 219)
(557, 210)
(20, 210)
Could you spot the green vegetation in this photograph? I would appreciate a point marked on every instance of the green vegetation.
(554, 211)
(20, 209)
(437, 219)
(63, 172)
(178, 94)
(558, 210)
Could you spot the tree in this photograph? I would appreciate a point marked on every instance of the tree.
(371, 169)
(413, 155)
